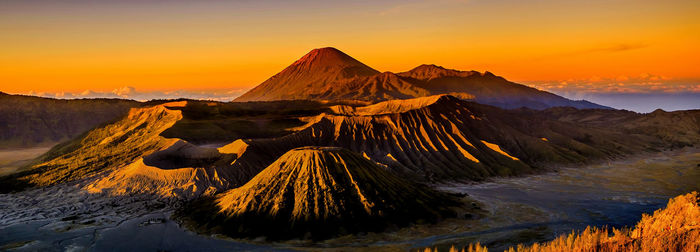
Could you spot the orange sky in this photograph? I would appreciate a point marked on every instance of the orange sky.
(76, 45)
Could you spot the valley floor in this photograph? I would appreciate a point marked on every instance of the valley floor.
(520, 210)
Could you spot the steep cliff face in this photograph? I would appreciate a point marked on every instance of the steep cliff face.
(321, 192)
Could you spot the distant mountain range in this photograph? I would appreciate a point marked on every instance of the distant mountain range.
(329, 74)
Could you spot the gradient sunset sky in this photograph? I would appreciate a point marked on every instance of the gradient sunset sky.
(229, 46)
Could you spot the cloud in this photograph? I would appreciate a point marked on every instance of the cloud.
(132, 93)
(87, 92)
(124, 91)
(642, 84)
(615, 48)
(607, 48)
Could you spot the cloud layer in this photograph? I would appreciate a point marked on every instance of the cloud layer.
(641, 84)
(643, 93)
(133, 94)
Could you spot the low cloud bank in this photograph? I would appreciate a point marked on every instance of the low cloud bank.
(134, 94)
(643, 93)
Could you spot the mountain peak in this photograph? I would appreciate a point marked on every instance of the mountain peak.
(328, 56)
(327, 50)
(309, 75)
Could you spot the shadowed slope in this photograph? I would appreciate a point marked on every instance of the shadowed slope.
(27, 121)
(675, 129)
(321, 192)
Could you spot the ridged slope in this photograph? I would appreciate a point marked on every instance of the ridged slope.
(442, 137)
(108, 147)
(323, 191)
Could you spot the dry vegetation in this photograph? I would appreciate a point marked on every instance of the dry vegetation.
(675, 228)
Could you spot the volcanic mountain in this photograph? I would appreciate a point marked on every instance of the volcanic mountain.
(306, 77)
(329, 74)
(321, 192)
